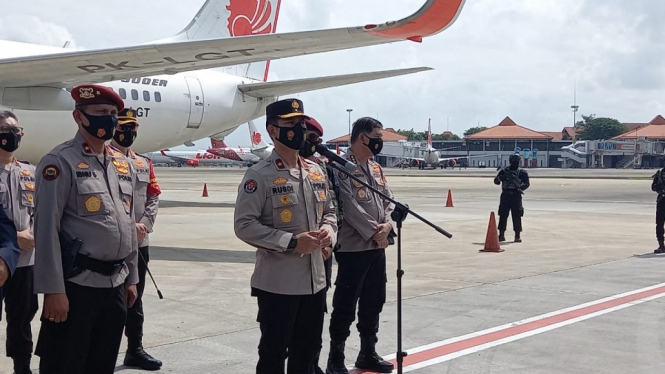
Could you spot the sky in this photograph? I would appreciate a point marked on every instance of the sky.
(517, 58)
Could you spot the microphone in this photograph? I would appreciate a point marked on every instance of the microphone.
(323, 151)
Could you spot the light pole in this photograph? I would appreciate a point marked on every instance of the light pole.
(349, 110)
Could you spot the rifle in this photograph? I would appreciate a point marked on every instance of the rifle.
(512, 179)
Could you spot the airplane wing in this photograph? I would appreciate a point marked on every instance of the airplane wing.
(441, 159)
(279, 88)
(103, 65)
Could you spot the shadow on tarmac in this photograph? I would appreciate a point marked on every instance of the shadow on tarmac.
(201, 255)
(193, 204)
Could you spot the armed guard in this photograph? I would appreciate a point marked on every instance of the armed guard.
(17, 190)
(314, 134)
(361, 258)
(286, 212)
(146, 202)
(85, 241)
(514, 181)
(658, 185)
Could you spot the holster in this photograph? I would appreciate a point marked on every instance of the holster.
(69, 249)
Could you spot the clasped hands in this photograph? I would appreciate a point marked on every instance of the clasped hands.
(309, 241)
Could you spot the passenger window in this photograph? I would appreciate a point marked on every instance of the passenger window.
(158, 97)
(135, 95)
(123, 93)
(146, 96)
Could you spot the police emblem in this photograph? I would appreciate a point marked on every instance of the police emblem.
(320, 210)
(357, 184)
(101, 133)
(279, 181)
(86, 148)
(51, 172)
(316, 176)
(322, 195)
(25, 173)
(285, 199)
(130, 113)
(121, 167)
(290, 134)
(280, 164)
(83, 165)
(251, 186)
(122, 137)
(362, 194)
(93, 204)
(86, 93)
(30, 186)
(295, 105)
(4, 141)
(286, 216)
(30, 197)
(140, 163)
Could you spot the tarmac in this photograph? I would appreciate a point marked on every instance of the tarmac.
(581, 294)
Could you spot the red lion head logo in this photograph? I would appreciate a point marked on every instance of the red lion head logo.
(250, 17)
(256, 138)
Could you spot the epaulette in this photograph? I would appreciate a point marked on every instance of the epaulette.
(261, 164)
(25, 162)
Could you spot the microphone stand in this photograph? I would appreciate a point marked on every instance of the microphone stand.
(398, 215)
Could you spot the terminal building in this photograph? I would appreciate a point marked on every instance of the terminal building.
(641, 146)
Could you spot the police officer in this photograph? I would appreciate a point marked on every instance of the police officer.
(86, 242)
(658, 185)
(284, 209)
(361, 258)
(313, 137)
(146, 201)
(17, 189)
(513, 181)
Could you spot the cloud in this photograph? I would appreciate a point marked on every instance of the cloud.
(31, 29)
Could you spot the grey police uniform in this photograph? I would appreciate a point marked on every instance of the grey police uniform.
(363, 209)
(17, 192)
(145, 204)
(271, 207)
(88, 197)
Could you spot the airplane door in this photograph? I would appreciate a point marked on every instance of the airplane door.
(196, 103)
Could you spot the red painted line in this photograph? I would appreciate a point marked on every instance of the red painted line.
(443, 350)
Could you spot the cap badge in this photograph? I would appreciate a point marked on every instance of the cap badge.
(295, 105)
(87, 93)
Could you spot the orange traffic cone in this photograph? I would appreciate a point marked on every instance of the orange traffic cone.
(492, 238)
(205, 190)
(449, 202)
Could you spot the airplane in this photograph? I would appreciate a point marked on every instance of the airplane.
(432, 157)
(175, 84)
(219, 148)
(191, 158)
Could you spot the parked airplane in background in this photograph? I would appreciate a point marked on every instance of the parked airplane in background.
(191, 158)
(432, 157)
(219, 148)
(176, 101)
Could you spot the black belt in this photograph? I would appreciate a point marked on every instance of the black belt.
(102, 267)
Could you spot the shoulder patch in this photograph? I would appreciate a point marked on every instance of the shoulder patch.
(251, 186)
(51, 172)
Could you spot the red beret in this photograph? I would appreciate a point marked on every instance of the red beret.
(314, 125)
(87, 94)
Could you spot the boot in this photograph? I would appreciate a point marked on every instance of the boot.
(22, 365)
(336, 359)
(502, 238)
(369, 359)
(517, 238)
(661, 247)
(137, 357)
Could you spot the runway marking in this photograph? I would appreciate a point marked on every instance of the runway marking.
(446, 350)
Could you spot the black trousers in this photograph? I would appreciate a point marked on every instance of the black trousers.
(660, 219)
(135, 317)
(361, 279)
(88, 342)
(21, 306)
(511, 203)
(293, 322)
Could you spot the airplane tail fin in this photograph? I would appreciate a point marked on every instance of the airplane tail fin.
(216, 143)
(429, 134)
(255, 136)
(232, 18)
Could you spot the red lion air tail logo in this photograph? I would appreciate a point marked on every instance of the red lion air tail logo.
(256, 138)
(252, 17)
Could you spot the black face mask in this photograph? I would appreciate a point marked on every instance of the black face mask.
(293, 137)
(101, 127)
(308, 149)
(10, 142)
(375, 145)
(125, 137)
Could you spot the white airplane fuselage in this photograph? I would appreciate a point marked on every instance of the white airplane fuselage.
(171, 109)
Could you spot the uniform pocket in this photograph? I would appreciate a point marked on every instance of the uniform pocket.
(126, 196)
(90, 199)
(28, 194)
(284, 210)
(4, 195)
